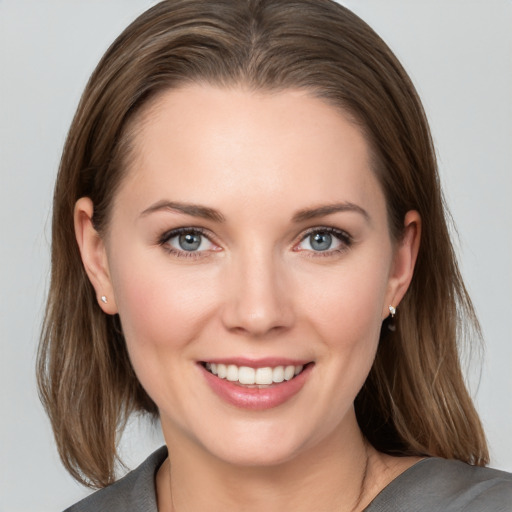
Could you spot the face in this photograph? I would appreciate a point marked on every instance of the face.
(250, 261)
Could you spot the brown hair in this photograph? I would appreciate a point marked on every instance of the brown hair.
(414, 400)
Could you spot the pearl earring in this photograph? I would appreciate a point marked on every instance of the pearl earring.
(104, 299)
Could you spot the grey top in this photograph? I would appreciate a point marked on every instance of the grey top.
(431, 485)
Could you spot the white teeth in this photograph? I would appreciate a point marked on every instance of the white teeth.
(289, 372)
(278, 374)
(246, 375)
(263, 376)
(232, 373)
(222, 371)
(251, 376)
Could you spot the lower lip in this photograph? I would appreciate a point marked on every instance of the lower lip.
(256, 398)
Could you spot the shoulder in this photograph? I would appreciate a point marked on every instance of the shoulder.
(135, 492)
(447, 485)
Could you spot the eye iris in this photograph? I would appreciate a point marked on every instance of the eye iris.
(320, 241)
(190, 241)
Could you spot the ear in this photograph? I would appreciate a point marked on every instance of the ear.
(404, 260)
(94, 255)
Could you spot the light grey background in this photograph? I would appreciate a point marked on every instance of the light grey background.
(459, 54)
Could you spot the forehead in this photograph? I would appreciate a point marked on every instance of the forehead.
(231, 147)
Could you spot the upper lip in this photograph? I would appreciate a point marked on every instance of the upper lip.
(259, 363)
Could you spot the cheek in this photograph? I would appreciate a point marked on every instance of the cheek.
(346, 302)
(349, 324)
(161, 307)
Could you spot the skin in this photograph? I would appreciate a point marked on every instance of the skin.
(256, 288)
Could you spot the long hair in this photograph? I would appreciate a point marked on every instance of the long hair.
(414, 400)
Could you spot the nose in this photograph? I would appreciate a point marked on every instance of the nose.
(258, 302)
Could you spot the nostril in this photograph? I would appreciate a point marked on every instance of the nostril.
(262, 323)
(257, 302)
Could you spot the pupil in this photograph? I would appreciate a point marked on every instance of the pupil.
(190, 241)
(321, 241)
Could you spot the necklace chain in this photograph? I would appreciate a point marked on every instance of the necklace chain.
(364, 477)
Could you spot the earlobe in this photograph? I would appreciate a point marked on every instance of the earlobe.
(94, 256)
(404, 261)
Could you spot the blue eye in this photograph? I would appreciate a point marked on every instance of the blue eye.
(185, 241)
(326, 240)
(320, 241)
(189, 241)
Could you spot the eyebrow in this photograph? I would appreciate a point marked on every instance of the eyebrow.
(193, 210)
(205, 212)
(321, 211)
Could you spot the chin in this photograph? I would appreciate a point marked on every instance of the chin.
(256, 453)
(263, 443)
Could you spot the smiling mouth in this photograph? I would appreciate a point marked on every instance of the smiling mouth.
(257, 377)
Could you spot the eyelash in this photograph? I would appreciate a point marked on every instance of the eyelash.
(339, 234)
(168, 235)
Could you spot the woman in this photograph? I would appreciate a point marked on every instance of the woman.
(249, 226)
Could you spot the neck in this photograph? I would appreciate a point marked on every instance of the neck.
(336, 474)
